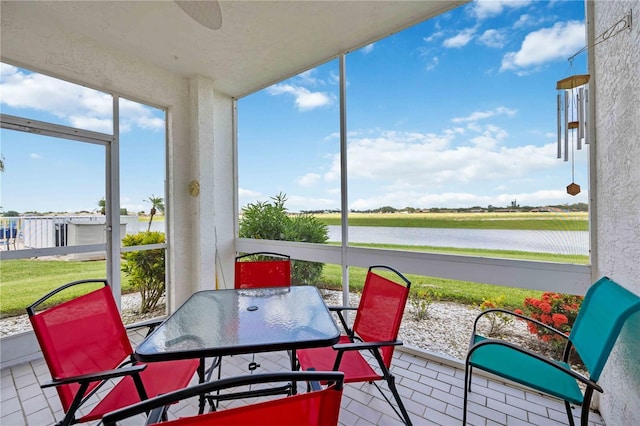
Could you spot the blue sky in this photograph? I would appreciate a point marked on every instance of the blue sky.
(46, 174)
(457, 111)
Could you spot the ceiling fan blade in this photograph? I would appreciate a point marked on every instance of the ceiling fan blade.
(205, 12)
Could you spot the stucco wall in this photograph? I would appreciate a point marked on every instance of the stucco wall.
(616, 72)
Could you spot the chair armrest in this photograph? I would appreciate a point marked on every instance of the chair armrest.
(338, 310)
(151, 324)
(95, 377)
(342, 308)
(555, 364)
(358, 346)
(521, 316)
(372, 347)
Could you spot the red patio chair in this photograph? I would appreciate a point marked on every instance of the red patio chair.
(85, 345)
(262, 269)
(375, 330)
(320, 407)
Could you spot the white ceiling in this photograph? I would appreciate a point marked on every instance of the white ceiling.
(258, 44)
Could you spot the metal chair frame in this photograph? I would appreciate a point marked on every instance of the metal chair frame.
(381, 351)
(592, 337)
(90, 382)
(158, 406)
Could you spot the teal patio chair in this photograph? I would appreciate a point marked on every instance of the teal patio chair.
(604, 310)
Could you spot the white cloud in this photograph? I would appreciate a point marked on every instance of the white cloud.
(309, 180)
(493, 38)
(461, 39)
(309, 78)
(35, 156)
(434, 36)
(75, 105)
(490, 138)
(433, 63)
(135, 114)
(482, 115)
(523, 21)
(460, 199)
(527, 20)
(483, 9)
(244, 193)
(305, 100)
(104, 125)
(400, 162)
(296, 203)
(545, 45)
(368, 48)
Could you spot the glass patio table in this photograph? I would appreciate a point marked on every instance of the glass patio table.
(213, 323)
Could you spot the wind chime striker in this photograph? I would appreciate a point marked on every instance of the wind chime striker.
(572, 112)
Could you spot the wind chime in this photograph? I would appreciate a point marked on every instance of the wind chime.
(573, 98)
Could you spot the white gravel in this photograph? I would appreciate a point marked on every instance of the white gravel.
(446, 329)
(130, 304)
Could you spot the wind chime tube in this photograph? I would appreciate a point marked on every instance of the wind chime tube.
(566, 126)
(580, 119)
(586, 114)
(559, 126)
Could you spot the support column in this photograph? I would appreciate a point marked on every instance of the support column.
(210, 185)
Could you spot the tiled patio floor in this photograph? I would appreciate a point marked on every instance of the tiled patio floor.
(432, 392)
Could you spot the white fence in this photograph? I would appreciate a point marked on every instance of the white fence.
(59, 231)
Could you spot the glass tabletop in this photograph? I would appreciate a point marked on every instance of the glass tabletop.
(226, 322)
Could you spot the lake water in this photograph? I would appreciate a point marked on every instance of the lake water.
(559, 242)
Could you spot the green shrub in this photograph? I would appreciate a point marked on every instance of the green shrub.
(421, 300)
(270, 221)
(497, 320)
(145, 268)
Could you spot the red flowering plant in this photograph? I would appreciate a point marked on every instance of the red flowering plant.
(554, 309)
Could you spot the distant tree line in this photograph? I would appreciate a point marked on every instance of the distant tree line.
(514, 207)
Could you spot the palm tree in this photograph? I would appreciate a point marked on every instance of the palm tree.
(157, 203)
(102, 205)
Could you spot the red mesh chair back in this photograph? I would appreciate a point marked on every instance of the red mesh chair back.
(317, 407)
(262, 269)
(84, 343)
(374, 333)
(320, 408)
(81, 336)
(380, 311)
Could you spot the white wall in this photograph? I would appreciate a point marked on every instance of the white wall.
(616, 80)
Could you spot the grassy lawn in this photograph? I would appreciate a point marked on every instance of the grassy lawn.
(504, 254)
(25, 281)
(468, 293)
(547, 221)
(19, 288)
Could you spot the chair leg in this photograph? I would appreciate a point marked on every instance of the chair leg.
(567, 407)
(392, 386)
(586, 402)
(467, 389)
